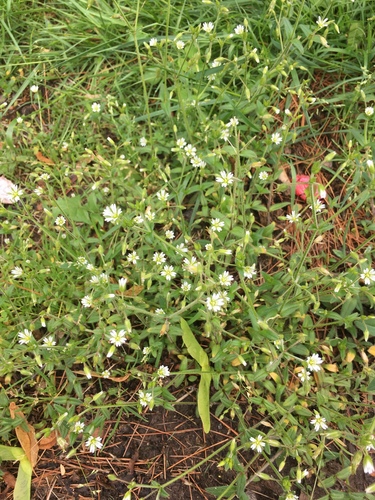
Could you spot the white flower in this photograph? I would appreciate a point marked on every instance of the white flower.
(190, 150)
(122, 284)
(369, 111)
(322, 23)
(163, 371)
(185, 286)
(49, 341)
(15, 193)
(288, 112)
(25, 336)
(159, 311)
(143, 142)
(225, 178)
(276, 138)
(197, 162)
(169, 235)
(370, 163)
(81, 261)
(117, 338)
(38, 191)
(149, 214)
(159, 258)
(293, 217)
(87, 301)
(225, 279)
(239, 29)
(319, 422)
(257, 443)
(263, 175)
(132, 257)
(181, 247)
(233, 122)
(318, 206)
(368, 275)
(19, 120)
(94, 443)
(60, 221)
(313, 363)
(106, 373)
(34, 89)
(215, 302)
(17, 272)
(291, 496)
(95, 106)
(162, 195)
(168, 273)
(78, 427)
(153, 42)
(192, 265)
(112, 213)
(301, 474)
(208, 27)
(138, 219)
(225, 134)
(249, 271)
(368, 466)
(304, 375)
(145, 398)
(180, 44)
(217, 225)
(181, 143)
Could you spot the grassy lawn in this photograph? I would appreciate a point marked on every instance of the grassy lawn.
(188, 212)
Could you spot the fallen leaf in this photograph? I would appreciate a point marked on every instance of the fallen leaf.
(133, 291)
(6, 187)
(27, 438)
(9, 479)
(371, 350)
(43, 159)
(47, 442)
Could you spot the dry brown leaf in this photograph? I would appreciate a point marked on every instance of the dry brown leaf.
(9, 479)
(47, 442)
(133, 291)
(44, 159)
(120, 379)
(27, 438)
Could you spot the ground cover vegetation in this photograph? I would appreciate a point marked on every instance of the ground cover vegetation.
(190, 213)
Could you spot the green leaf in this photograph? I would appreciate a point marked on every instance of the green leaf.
(204, 401)
(194, 349)
(22, 490)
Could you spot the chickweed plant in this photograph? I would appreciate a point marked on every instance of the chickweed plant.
(154, 150)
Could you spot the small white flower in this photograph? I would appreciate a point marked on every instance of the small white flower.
(291, 496)
(180, 44)
(15, 193)
(322, 23)
(249, 271)
(225, 279)
(94, 443)
(208, 27)
(181, 247)
(17, 272)
(163, 371)
(49, 341)
(132, 257)
(263, 175)
(169, 235)
(95, 106)
(34, 89)
(370, 163)
(122, 284)
(318, 206)
(185, 286)
(159, 258)
(313, 363)
(224, 134)
(153, 42)
(319, 422)
(368, 275)
(190, 150)
(25, 336)
(301, 474)
(60, 221)
(239, 29)
(81, 261)
(304, 375)
(233, 122)
(276, 138)
(197, 162)
(215, 302)
(368, 466)
(168, 272)
(106, 374)
(257, 443)
(225, 178)
(117, 338)
(87, 301)
(181, 143)
(143, 142)
(159, 311)
(371, 443)
(145, 398)
(112, 213)
(19, 120)
(78, 427)
(293, 217)
(38, 191)
(217, 225)
(288, 112)
(138, 219)
(191, 265)
(369, 111)
(149, 215)
(162, 195)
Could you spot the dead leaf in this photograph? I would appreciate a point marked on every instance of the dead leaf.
(371, 350)
(47, 442)
(62, 470)
(27, 438)
(6, 187)
(133, 291)
(9, 479)
(43, 159)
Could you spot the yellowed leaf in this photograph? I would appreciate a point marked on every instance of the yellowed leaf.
(332, 367)
(27, 438)
(133, 291)
(371, 350)
(275, 377)
(350, 356)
